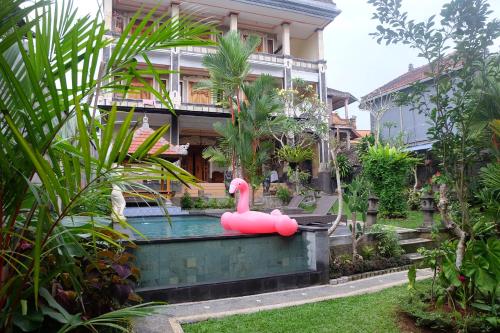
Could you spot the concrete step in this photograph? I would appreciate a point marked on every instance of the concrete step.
(414, 257)
(413, 244)
(408, 234)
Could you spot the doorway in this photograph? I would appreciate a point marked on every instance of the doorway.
(195, 164)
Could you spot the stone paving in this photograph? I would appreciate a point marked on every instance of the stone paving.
(169, 319)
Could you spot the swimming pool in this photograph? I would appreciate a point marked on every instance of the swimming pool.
(154, 227)
(193, 258)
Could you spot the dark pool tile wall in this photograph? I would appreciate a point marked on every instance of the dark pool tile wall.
(201, 261)
(201, 268)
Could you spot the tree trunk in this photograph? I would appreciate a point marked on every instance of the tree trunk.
(455, 228)
(353, 237)
(335, 224)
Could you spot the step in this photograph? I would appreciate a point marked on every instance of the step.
(413, 244)
(414, 257)
(407, 234)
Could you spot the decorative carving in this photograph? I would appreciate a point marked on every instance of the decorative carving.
(322, 68)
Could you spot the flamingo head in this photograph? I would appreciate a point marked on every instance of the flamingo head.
(237, 184)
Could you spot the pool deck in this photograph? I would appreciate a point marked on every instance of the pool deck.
(170, 318)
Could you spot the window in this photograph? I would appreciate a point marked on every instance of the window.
(198, 96)
(138, 93)
(117, 23)
(136, 25)
(270, 46)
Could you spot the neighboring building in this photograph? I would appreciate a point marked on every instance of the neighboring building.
(291, 47)
(346, 126)
(402, 121)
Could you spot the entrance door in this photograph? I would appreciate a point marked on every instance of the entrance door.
(195, 164)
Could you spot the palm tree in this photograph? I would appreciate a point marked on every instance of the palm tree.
(228, 69)
(55, 154)
(251, 140)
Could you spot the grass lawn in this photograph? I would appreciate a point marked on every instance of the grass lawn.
(375, 313)
(412, 221)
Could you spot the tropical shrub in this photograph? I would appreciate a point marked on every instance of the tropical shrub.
(187, 201)
(295, 154)
(200, 203)
(413, 199)
(344, 265)
(284, 194)
(387, 242)
(58, 150)
(388, 169)
(344, 165)
(461, 105)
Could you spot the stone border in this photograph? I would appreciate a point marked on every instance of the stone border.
(359, 276)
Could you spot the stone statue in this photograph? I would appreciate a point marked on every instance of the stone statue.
(117, 204)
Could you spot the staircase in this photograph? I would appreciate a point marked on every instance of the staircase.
(411, 241)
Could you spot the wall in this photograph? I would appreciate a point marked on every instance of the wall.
(414, 124)
(305, 48)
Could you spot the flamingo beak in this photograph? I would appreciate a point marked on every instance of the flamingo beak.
(232, 188)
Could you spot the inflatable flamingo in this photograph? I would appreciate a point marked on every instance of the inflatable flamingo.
(252, 222)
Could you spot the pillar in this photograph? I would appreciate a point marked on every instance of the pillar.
(321, 45)
(174, 130)
(175, 77)
(285, 38)
(346, 107)
(287, 59)
(233, 21)
(372, 212)
(324, 174)
(108, 14)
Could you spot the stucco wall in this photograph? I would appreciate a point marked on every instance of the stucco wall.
(305, 48)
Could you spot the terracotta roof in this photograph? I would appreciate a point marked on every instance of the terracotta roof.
(412, 76)
(144, 132)
(363, 133)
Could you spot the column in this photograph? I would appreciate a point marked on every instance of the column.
(321, 45)
(174, 129)
(233, 21)
(346, 107)
(287, 58)
(324, 174)
(108, 14)
(285, 27)
(175, 94)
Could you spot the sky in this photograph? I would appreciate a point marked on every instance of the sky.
(356, 63)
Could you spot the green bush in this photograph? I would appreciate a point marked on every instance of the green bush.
(367, 252)
(388, 169)
(345, 166)
(387, 242)
(284, 194)
(212, 203)
(187, 201)
(199, 203)
(413, 200)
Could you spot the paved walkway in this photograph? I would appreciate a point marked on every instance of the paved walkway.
(169, 319)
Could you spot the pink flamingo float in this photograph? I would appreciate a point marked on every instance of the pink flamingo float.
(251, 222)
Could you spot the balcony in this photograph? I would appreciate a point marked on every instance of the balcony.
(155, 104)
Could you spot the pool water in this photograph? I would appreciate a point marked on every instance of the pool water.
(179, 227)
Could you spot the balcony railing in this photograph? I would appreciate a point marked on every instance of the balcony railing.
(155, 104)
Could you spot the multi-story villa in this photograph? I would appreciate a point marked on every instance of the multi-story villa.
(292, 46)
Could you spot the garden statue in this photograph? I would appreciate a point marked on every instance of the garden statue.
(251, 222)
(117, 204)
(228, 176)
(266, 184)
